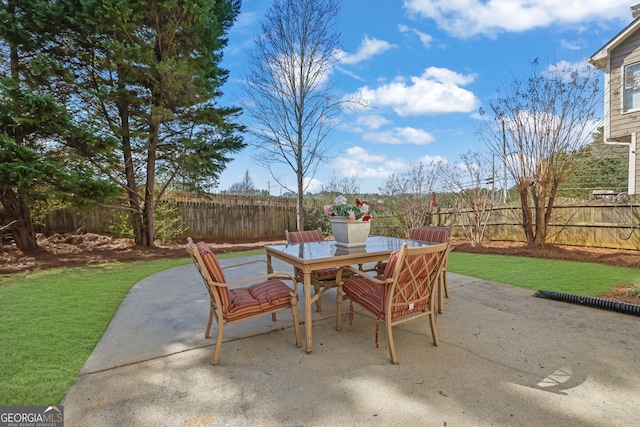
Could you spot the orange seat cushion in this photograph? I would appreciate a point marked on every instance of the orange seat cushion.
(258, 298)
(306, 236)
(428, 234)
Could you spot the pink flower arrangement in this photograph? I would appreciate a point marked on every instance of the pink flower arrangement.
(358, 212)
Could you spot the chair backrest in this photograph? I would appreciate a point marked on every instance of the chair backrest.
(207, 265)
(431, 233)
(304, 236)
(415, 273)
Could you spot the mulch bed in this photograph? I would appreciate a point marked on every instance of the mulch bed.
(58, 250)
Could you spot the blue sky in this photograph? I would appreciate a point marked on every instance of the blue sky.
(425, 68)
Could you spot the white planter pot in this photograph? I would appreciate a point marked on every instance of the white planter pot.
(350, 233)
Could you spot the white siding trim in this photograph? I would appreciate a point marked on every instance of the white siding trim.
(607, 101)
(632, 163)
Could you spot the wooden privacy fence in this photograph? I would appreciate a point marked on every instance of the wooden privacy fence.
(238, 221)
(595, 223)
(222, 217)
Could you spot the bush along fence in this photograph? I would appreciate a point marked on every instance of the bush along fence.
(229, 218)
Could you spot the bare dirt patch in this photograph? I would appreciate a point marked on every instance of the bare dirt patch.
(58, 250)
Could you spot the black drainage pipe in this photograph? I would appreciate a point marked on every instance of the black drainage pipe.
(617, 306)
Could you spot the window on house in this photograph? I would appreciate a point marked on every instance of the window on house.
(631, 87)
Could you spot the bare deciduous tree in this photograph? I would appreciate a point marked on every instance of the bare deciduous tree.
(410, 191)
(537, 129)
(244, 187)
(346, 185)
(472, 200)
(288, 93)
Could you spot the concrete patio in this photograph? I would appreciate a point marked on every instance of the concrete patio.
(506, 358)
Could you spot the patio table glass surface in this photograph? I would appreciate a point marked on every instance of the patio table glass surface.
(313, 256)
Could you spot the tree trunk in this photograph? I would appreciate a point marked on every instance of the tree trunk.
(527, 218)
(541, 218)
(148, 225)
(16, 211)
(541, 225)
(300, 204)
(18, 215)
(130, 174)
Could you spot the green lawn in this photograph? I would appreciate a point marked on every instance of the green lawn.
(579, 278)
(53, 319)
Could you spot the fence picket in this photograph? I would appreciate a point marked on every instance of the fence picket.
(231, 218)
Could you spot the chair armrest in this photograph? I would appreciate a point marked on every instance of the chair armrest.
(359, 272)
(275, 275)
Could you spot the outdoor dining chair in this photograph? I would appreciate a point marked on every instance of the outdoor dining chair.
(321, 280)
(230, 303)
(405, 291)
(432, 234)
(438, 234)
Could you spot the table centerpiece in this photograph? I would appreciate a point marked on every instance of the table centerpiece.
(350, 224)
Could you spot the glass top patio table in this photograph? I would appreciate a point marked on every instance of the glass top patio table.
(315, 251)
(313, 256)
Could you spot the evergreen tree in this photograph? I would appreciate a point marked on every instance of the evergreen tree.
(598, 166)
(148, 75)
(38, 139)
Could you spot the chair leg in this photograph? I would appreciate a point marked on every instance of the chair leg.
(208, 330)
(339, 308)
(441, 292)
(318, 301)
(392, 347)
(216, 351)
(434, 332)
(296, 322)
(446, 287)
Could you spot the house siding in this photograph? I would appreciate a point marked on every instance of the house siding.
(637, 176)
(622, 125)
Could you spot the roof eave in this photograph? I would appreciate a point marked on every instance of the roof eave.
(601, 57)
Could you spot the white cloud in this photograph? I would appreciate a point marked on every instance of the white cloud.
(372, 168)
(365, 164)
(466, 18)
(425, 39)
(432, 159)
(358, 154)
(572, 45)
(348, 73)
(564, 69)
(368, 47)
(372, 121)
(436, 91)
(312, 185)
(406, 135)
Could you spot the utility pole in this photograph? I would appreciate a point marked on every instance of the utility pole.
(504, 164)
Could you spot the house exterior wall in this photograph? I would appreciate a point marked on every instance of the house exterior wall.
(622, 125)
(634, 172)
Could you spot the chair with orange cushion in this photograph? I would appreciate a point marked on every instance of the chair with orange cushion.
(405, 291)
(322, 280)
(437, 234)
(230, 303)
(431, 234)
